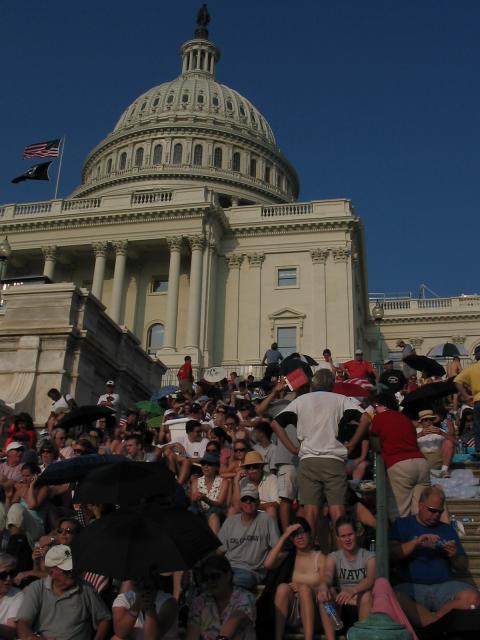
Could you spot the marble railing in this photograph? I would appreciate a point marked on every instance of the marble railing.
(406, 306)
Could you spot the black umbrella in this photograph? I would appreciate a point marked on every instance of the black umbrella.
(125, 482)
(74, 469)
(304, 358)
(290, 364)
(84, 415)
(130, 543)
(423, 397)
(428, 365)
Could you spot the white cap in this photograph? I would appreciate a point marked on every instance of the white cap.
(59, 556)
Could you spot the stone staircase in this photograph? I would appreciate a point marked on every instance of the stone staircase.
(471, 542)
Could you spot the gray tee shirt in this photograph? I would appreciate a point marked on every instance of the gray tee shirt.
(246, 545)
(348, 573)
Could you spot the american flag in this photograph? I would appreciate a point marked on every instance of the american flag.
(48, 149)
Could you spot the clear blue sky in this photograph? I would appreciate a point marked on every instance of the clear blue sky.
(374, 100)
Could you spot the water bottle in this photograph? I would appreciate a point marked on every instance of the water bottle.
(453, 521)
(333, 615)
(373, 545)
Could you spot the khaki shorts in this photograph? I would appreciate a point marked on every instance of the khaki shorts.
(320, 478)
(434, 458)
(287, 481)
(405, 482)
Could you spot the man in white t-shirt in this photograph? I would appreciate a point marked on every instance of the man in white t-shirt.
(327, 362)
(140, 614)
(60, 403)
(186, 450)
(10, 597)
(110, 398)
(321, 470)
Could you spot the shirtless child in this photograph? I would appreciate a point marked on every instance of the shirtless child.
(306, 580)
(350, 571)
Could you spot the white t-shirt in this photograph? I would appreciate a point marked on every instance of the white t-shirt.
(323, 364)
(110, 400)
(318, 415)
(10, 604)
(61, 405)
(126, 600)
(193, 449)
(267, 489)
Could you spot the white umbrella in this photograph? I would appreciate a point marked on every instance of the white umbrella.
(215, 374)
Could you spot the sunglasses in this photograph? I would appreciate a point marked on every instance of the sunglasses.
(65, 530)
(426, 420)
(211, 450)
(208, 464)
(237, 450)
(247, 499)
(433, 510)
(46, 451)
(7, 574)
(250, 467)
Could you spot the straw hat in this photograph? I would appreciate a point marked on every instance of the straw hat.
(253, 457)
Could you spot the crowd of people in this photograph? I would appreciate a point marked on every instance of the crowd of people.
(284, 477)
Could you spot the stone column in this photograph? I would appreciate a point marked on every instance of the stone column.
(195, 295)
(340, 339)
(319, 339)
(250, 330)
(230, 344)
(50, 256)
(100, 252)
(120, 247)
(170, 338)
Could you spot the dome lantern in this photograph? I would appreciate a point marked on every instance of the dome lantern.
(199, 56)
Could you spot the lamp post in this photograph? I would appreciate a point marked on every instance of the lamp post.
(5, 253)
(378, 313)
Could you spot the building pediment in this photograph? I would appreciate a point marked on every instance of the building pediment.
(287, 313)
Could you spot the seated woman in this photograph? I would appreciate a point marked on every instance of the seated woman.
(209, 491)
(28, 508)
(240, 449)
(144, 614)
(305, 580)
(436, 440)
(221, 610)
(350, 571)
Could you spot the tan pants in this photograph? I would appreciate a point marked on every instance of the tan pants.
(406, 481)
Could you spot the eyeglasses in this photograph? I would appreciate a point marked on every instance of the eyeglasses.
(65, 530)
(247, 499)
(250, 467)
(7, 574)
(237, 450)
(433, 510)
(298, 533)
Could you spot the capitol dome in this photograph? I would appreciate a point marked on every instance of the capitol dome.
(188, 131)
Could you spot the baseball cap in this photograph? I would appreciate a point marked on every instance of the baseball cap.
(249, 491)
(203, 399)
(169, 412)
(59, 556)
(15, 445)
(210, 458)
(109, 383)
(358, 352)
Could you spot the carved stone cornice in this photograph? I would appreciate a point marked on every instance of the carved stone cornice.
(459, 339)
(287, 227)
(432, 319)
(100, 249)
(255, 259)
(49, 253)
(416, 342)
(196, 242)
(341, 254)
(175, 243)
(319, 255)
(234, 260)
(120, 247)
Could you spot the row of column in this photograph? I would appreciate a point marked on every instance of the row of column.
(120, 247)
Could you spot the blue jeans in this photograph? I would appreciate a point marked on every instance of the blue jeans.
(433, 596)
(244, 578)
(476, 425)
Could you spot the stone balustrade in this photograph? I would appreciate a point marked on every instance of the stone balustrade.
(415, 306)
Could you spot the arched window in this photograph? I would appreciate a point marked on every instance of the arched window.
(139, 157)
(155, 338)
(123, 161)
(177, 153)
(236, 161)
(253, 167)
(109, 165)
(198, 154)
(157, 154)
(217, 158)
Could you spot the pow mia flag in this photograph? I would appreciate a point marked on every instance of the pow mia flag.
(36, 172)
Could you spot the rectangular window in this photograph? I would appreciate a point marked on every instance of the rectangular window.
(287, 277)
(287, 340)
(159, 285)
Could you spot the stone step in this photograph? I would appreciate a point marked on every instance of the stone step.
(464, 507)
(474, 560)
(470, 543)
(474, 466)
(472, 577)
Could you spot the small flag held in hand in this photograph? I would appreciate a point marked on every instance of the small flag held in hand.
(36, 172)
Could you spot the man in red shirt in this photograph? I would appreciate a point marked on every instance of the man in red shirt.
(185, 375)
(359, 368)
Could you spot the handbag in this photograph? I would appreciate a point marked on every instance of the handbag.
(294, 619)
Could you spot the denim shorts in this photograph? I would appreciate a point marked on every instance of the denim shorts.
(433, 596)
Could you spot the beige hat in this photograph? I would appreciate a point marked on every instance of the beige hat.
(427, 413)
(253, 457)
(249, 490)
(59, 556)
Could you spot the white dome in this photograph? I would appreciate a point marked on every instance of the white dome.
(190, 130)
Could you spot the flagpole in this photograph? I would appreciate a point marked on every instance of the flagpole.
(59, 167)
